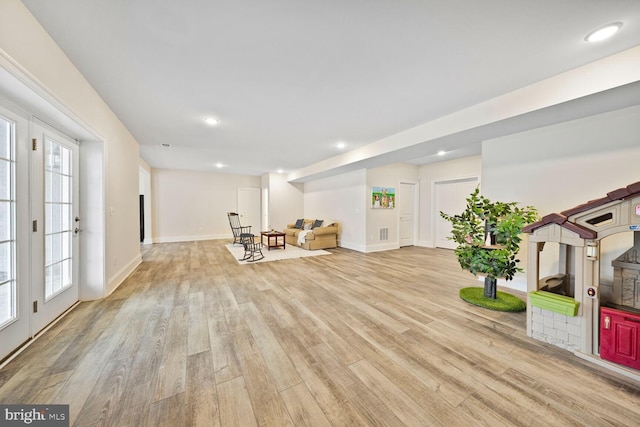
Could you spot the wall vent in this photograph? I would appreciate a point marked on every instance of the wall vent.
(384, 234)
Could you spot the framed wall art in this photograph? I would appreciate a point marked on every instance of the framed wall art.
(383, 197)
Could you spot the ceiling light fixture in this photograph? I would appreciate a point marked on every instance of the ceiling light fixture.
(603, 32)
(211, 121)
(280, 171)
(219, 165)
(441, 153)
(341, 145)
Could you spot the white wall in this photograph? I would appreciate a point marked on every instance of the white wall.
(189, 205)
(286, 201)
(34, 53)
(343, 198)
(558, 167)
(466, 167)
(386, 176)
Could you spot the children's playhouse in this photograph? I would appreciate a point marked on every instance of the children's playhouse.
(571, 308)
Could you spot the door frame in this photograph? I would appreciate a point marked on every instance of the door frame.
(434, 211)
(21, 93)
(48, 309)
(416, 211)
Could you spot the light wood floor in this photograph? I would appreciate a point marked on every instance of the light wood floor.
(192, 338)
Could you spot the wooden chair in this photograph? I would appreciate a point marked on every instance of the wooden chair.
(252, 250)
(236, 228)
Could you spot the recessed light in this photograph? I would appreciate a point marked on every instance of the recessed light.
(211, 121)
(219, 165)
(341, 145)
(603, 32)
(441, 153)
(280, 171)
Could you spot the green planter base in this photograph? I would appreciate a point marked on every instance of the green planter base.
(554, 302)
(502, 302)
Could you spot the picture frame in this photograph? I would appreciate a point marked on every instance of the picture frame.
(383, 197)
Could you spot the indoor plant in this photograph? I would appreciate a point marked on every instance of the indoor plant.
(488, 238)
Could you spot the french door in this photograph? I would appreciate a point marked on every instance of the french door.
(38, 228)
(55, 241)
(14, 232)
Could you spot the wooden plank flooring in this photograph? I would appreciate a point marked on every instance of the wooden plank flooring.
(193, 338)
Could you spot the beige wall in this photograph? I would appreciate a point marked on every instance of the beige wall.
(189, 205)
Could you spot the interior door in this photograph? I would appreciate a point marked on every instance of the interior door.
(406, 205)
(55, 240)
(450, 197)
(249, 208)
(14, 232)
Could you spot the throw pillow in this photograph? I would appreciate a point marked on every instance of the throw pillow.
(298, 224)
(317, 223)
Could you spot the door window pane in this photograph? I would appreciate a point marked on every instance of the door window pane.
(58, 232)
(7, 223)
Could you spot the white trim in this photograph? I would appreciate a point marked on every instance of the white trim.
(434, 214)
(382, 247)
(353, 246)
(117, 279)
(175, 239)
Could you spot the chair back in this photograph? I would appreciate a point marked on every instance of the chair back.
(234, 221)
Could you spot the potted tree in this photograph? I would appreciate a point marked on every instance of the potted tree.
(488, 238)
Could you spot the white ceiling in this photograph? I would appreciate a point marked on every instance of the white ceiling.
(288, 79)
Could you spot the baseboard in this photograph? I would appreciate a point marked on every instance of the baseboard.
(352, 246)
(117, 279)
(382, 247)
(175, 239)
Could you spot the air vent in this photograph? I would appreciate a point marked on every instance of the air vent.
(384, 234)
(166, 145)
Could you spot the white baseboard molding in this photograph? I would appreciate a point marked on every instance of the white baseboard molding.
(117, 279)
(382, 247)
(175, 239)
(352, 246)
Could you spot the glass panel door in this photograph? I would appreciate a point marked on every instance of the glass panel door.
(54, 201)
(14, 232)
(8, 295)
(58, 227)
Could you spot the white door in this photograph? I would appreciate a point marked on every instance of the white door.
(406, 205)
(450, 198)
(15, 315)
(55, 240)
(249, 208)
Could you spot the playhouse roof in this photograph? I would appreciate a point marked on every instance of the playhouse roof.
(562, 218)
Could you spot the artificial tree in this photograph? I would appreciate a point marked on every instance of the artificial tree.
(488, 238)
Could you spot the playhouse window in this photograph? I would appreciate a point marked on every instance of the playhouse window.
(601, 220)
